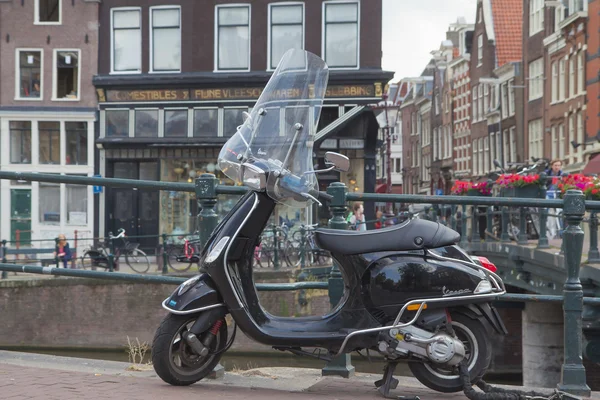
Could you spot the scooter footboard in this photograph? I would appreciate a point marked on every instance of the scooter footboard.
(197, 294)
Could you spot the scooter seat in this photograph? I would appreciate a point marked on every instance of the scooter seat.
(414, 234)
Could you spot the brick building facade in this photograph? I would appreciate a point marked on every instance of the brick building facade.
(47, 115)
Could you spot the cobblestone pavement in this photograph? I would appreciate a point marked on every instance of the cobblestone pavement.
(69, 378)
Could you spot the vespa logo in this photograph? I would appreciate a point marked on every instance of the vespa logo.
(448, 292)
(261, 152)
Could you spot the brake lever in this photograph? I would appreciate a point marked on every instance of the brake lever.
(308, 196)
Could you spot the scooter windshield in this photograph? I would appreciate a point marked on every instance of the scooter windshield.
(278, 135)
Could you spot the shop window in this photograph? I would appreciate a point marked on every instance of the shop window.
(146, 123)
(166, 39)
(117, 123)
(47, 11)
(77, 202)
(176, 123)
(126, 40)
(49, 201)
(76, 134)
(206, 122)
(287, 30)
(66, 75)
(49, 142)
(20, 142)
(233, 38)
(29, 81)
(341, 34)
(232, 118)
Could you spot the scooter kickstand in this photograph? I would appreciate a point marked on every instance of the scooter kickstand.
(388, 382)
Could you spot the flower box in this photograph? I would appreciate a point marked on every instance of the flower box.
(463, 188)
(527, 192)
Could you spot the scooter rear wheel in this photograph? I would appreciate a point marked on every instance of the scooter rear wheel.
(174, 360)
(474, 335)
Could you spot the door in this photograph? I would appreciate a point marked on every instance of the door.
(148, 206)
(20, 215)
(134, 210)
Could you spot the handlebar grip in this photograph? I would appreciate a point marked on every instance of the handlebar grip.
(324, 196)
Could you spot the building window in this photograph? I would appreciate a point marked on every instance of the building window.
(577, 6)
(536, 81)
(206, 122)
(572, 77)
(554, 82)
(580, 135)
(117, 123)
(341, 34)
(47, 12)
(76, 134)
(287, 30)
(504, 101)
(486, 99)
(580, 72)
(49, 201)
(66, 75)
(536, 16)
(562, 90)
(479, 50)
(233, 38)
(561, 142)
(29, 78)
(20, 142)
(165, 39)
(77, 202)
(554, 151)
(49, 142)
(559, 16)
(475, 115)
(571, 134)
(536, 142)
(146, 123)
(176, 123)
(480, 103)
(511, 97)
(513, 144)
(126, 40)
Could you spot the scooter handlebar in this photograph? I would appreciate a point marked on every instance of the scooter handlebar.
(298, 185)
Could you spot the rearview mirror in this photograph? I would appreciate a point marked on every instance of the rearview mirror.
(338, 161)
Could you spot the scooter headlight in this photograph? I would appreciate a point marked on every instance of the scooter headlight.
(484, 287)
(187, 285)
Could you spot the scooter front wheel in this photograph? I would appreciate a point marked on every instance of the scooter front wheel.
(174, 360)
(474, 337)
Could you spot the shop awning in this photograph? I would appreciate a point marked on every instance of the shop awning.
(339, 123)
(593, 166)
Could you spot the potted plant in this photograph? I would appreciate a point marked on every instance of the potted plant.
(464, 188)
(590, 186)
(515, 185)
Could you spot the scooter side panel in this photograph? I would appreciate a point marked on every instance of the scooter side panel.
(202, 294)
(393, 280)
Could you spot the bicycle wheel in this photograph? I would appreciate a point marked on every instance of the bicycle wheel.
(175, 252)
(137, 261)
(93, 259)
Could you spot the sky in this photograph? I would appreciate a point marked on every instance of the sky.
(413, 28)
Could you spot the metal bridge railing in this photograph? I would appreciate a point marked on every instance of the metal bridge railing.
(206, 188)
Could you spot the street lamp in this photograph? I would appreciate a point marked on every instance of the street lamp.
(386, 111)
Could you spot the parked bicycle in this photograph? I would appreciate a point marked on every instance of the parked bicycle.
(181, 257)
(98, 256)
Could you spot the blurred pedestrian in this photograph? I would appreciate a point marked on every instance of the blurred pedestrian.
(62, 251)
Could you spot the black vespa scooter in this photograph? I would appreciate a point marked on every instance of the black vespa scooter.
(410, 294)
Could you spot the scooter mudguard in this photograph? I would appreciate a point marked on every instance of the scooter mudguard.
(489, 312)
(193, 295)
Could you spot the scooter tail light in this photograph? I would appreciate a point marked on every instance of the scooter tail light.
(487, 264)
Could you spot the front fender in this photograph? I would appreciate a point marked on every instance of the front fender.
(194, 295)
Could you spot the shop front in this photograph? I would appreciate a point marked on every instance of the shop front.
(175, 135)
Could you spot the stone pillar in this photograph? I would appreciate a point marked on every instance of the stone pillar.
(543, 343)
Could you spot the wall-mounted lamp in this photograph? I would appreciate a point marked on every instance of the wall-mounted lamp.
(7, 38)
(87, 39)
(48, 39)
